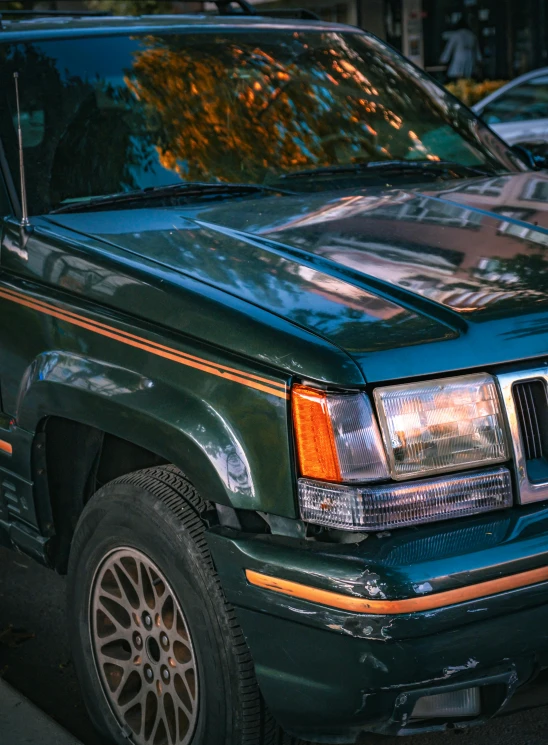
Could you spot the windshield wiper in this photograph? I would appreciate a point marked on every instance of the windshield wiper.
(393, 167)
(188, 190)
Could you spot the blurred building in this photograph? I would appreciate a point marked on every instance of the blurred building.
(512, 34)
(397, 21)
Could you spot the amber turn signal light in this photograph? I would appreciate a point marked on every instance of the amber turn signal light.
(316, 449)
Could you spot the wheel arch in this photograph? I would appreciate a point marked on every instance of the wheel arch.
(90, 413)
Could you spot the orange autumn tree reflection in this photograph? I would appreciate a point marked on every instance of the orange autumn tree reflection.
(234, 111)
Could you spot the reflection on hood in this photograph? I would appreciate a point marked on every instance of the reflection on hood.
(478, 243)
(461, 267)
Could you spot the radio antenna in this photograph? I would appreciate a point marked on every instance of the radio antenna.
(25, 222)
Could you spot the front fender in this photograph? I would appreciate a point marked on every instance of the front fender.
(177, 425)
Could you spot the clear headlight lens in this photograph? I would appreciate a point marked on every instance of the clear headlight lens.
(441, 425)
(385, 506)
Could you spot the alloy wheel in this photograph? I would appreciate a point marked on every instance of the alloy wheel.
(143, 650)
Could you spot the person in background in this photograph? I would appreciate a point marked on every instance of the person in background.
(462, 52)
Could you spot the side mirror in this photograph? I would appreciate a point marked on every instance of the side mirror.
(534, 161)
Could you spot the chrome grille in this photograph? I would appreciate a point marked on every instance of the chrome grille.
(531, 408)
(524, 393)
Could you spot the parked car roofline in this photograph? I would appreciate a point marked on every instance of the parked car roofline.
(476, 108)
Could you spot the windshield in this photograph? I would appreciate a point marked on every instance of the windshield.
(104, 115)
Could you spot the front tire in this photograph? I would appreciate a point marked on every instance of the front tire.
(158, 651)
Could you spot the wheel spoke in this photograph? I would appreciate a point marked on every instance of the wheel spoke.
(157, 583)
(170, 715)
(151, 715)
(129, 589)
(124, 603)
(115, 650)
(111, 585)
(160, 731)
(138, 698)
(111, 612)
(148, 593)
(183, 724)
(180, 626)
(116, 674)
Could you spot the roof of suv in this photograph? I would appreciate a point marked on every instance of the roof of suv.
(35, 27)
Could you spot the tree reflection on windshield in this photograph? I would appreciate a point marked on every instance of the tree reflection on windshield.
(236, 110)
(122, 113)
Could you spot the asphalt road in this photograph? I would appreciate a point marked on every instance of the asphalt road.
(35, 659)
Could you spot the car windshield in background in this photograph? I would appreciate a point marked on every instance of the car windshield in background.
(524, 102)
(114, 114)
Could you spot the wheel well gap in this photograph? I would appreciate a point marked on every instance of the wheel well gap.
(79, 459)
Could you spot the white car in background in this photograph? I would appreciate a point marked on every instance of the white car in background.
(518, 112)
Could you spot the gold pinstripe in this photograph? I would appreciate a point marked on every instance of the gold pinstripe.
(250, 380)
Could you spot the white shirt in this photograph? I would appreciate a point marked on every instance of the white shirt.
(463, 52)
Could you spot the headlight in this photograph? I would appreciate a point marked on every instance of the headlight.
(428, 428)
(441, 425)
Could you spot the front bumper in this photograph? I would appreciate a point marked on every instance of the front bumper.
(329, 674)
(331, 688)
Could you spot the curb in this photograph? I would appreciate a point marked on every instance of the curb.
(22, 723)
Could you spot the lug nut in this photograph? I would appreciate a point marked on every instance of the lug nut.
(138, 640)
(164, 640)
(165, 674)
(147, 620)
(149, 675)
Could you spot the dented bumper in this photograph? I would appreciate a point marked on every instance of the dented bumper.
(330, 688)
(329, 673)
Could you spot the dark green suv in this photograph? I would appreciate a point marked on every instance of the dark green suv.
(273, 366)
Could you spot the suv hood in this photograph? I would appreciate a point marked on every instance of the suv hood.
(406, 281)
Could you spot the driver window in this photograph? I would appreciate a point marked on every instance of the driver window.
(523, 102)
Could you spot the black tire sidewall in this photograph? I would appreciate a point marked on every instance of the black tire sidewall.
(124, 515)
